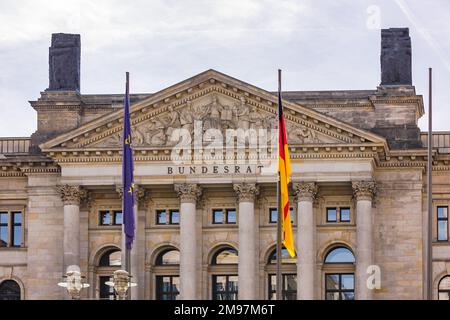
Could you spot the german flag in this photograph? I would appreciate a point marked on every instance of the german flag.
(284, 169)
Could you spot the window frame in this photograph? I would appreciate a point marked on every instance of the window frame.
(437, 224)
(447, 291)
(169, 216)
(112, 217)
(10, 224)
(339, 290)
(159, 280)
(338, 214)
(162, 270)
(336, 211)
(284, 291)
(226, 292)
(225, 216)
(291, 212)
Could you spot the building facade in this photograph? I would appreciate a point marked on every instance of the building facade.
(206, 225)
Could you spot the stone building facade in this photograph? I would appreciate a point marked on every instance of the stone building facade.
(206, 230)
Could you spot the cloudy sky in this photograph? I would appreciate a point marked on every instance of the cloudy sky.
(319, 44)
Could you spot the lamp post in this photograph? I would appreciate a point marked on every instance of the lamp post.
(121, 281)
(74, 282)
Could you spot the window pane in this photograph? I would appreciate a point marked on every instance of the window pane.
(106, 292)
(348, 295)
(331, 215)
(105, 218)
(112, 257)
(444, 295)
(290, 282)
(226, 256)
(340, 255)
(161, 217)
(17, 218)
(345, 214)
(3, 236)
(233, 283)
(175, 217)
(332, 296)
(3, 217)
(442, 212)
(272, 282)
(273, 215)
(442, 230)
(219, 284)
(171, 257)
(118, 217)
(347, 282)
(231, 216)
(332, 281)
(175, 287)
(217, 216)
(17, 236)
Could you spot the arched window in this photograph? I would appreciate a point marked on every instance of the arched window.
(167, 274)
(110, 261)
(9, 290)
(340, 255)
(111, 258)
(226, 255)
(444, 288)
(224, 265)
(339, 274)
(168, 257)
(288, 275)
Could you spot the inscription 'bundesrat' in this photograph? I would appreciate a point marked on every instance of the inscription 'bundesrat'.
(218, 169)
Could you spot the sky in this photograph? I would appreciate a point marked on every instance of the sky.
(319, 45)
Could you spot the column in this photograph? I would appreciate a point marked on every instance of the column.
(188, 194)
(363, 192)
(306, 193)
(71, 197)
(247, 272)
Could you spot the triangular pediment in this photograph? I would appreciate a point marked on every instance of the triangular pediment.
(220, 102)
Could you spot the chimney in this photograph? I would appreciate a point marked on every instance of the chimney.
(64, 62)
(395, 57)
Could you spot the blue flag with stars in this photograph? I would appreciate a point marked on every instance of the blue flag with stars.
(127, 174)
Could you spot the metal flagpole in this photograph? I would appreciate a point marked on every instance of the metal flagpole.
(127, 251)
(279, 212)
(429, 191)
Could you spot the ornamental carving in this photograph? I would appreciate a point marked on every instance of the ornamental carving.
(188, 192)
(220, 114)
(305, 191)
(246, 192)
(72, 195)
(364, 190)
(141, 195)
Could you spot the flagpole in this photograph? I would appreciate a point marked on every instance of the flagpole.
(279, 211)
(429, 191)
(127, 251)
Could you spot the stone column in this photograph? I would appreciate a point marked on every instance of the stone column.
(305, 193)
(71, 197)
(246, 193)
(363, 192)
(188, 194)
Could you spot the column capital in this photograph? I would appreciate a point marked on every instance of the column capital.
(188, 192)
(364, 190)
(72, 195)
(246, 191)
(305, 191)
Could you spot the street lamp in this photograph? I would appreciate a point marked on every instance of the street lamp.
(121, 282)
(73, 282)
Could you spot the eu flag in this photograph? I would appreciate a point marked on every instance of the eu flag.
(127, 174)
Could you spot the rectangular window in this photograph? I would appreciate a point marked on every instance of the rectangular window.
(289, 287)
(442, 223)
(344, 214)
(16, 235)
(273, 215)
(168, 216)
(340, 286)
(4, 229)
(218, 217)
(106, 292)
(118, 217)
(225, 287)
(167, 287)
(331, 215)
(161, 217)
(174, 217)
(105, 218)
